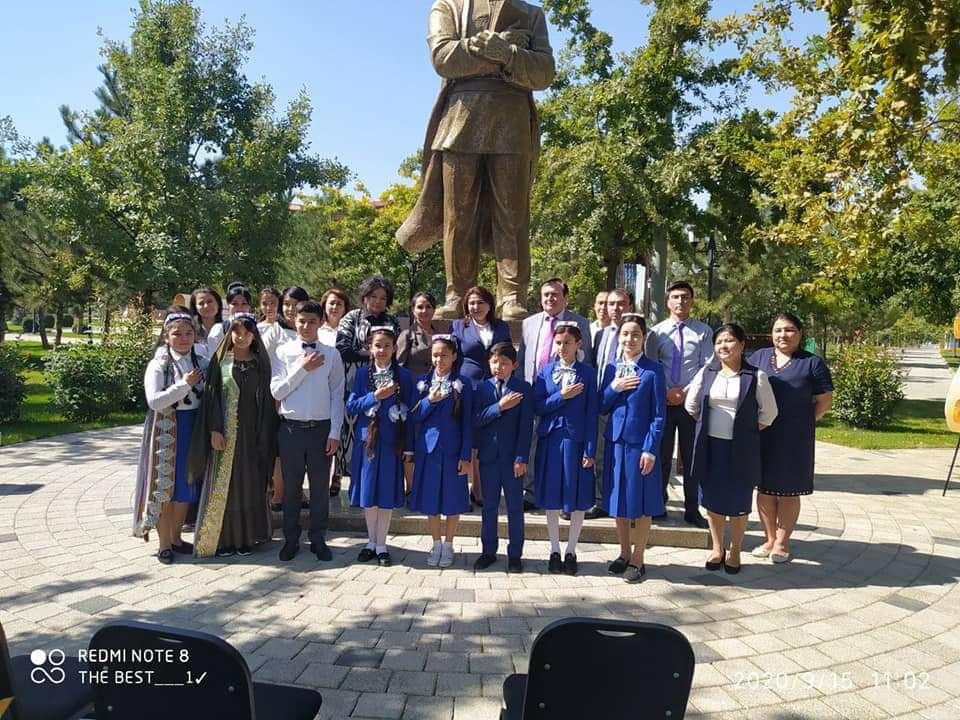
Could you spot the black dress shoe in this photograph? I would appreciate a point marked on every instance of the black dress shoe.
(321, 550)
(184, 548)
(484, 561)
(570, 564)
(289, 551)
(595, 512)
(710, 565)
(661, 516)
(555, 566)
(515, 565)
(528, 506)
(226, 552)
(731, 569)
(617, 567)
(366, 555)
(695, 519)
(165, 556)
(384, 560)
(566, 516)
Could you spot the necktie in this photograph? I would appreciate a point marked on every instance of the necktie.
(499, 389)
(611, 344)
(676, 364)
(547, 346)
(311, 346)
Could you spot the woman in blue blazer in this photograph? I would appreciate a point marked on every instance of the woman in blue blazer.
(634, 395)
(379, 400)
(566, 400)
(478, 331)
(443, 447)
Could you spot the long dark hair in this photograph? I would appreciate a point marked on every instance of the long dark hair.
(256, 347)
(298, 294)
(193, 304)
(450, 342)
(373, 428)
(484, 295)
(270, 290)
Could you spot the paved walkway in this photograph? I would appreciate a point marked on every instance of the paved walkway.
(862, 624)
(928, 376)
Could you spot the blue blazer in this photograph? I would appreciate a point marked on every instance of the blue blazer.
(579, 415)
(503, 436)
(361, 400)
(473, 355)
(437, 424)
(637, 416)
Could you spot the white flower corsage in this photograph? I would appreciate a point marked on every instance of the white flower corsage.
(458, 385)
(564, 376)
(421, 386)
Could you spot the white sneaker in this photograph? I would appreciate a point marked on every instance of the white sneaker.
(433, 559)
(446, 555)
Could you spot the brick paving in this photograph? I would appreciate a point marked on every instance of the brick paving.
(863, 623)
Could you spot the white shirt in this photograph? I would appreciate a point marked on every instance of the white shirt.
(327, 335)
(610, 339)
(309, 395)
(213, 339)
(160, 397)
(273, 335)
(485, 333)
(724, 396)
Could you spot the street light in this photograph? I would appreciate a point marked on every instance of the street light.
(712, 261)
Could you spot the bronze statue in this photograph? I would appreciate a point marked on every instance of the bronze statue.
(482, 144)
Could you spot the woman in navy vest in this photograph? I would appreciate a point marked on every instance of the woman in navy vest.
(732, 402)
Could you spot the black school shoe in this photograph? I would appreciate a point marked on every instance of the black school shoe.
(321, 550)
(617, 567)
(366, 555)
(384, 560)
(570, 564)
(515, 565)
(484, 561)
(289, 551)
(184, 548)
(226, 552)
(165, 557)
(555, 565)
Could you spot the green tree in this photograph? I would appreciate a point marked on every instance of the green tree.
(189, 179)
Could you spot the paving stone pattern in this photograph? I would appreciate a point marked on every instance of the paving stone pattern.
(863, 623)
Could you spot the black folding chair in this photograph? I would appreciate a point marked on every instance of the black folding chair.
(195, 676)
(52, 690)
(611, 669)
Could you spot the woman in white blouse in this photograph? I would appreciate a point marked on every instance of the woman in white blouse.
(732, 401)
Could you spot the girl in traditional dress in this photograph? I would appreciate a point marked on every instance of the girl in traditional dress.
(235, 444)
(173, 384)
(444, 447)
(566, 400)
(382, 391)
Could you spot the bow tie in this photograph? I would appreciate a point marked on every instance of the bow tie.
(626, 368)
(312, 346)
(565, 375)
(382, 377)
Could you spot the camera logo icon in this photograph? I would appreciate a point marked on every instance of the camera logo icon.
(40, 674)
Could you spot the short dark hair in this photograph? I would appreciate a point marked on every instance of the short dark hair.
(373, 283)
(484, 295)
(504, 349)
(680, 285)
(310, 307)
(621, 291)
(336, 292)
(790, 318)
(732, 328)
(556, 281)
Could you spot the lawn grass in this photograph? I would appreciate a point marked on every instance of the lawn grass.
(915, 424)
(952, 360)
(38, 418)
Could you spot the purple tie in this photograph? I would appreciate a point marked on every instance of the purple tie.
(676, 365)
(547, 348)
(612, 345)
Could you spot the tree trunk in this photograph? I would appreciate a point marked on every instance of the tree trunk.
(105, 330)
(3, 323)
(58, 326)
(42, 329)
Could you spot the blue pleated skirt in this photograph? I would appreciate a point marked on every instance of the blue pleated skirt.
(626, 492)
(184, 491)
(560, 480)
(437, 487)
(377, 481)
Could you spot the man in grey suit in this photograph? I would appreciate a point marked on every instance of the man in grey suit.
(536, 345)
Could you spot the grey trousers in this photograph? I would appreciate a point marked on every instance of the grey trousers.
(305, 450)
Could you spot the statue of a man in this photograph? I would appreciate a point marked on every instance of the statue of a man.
(482, 144)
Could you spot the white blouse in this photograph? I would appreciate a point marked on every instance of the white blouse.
(160, 397)
(273, 336)
(485, 333)
(724, 395)
(327, 335)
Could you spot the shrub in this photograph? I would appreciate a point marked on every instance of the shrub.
(12, 386)
(82, 383)
(66, 321)
(129, 348)
(867, 385)
(28, 326)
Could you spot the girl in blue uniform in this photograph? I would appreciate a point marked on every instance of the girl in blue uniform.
(444, 446)
(566, 400)
(634, 395)
(379, 400)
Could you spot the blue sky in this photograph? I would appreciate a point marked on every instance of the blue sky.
(363, 63)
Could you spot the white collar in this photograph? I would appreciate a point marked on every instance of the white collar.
(177, 356)
(377, 368)
(561, 363)
(437, 377)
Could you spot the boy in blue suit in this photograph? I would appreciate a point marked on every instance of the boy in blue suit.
(503, 428)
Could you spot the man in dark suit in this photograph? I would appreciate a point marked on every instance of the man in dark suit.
(536, 347)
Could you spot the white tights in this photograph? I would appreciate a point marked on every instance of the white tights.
(553, 530)
(378, 523)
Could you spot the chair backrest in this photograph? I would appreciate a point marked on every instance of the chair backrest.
(608, 669)
(194, 675)
(7, 710)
